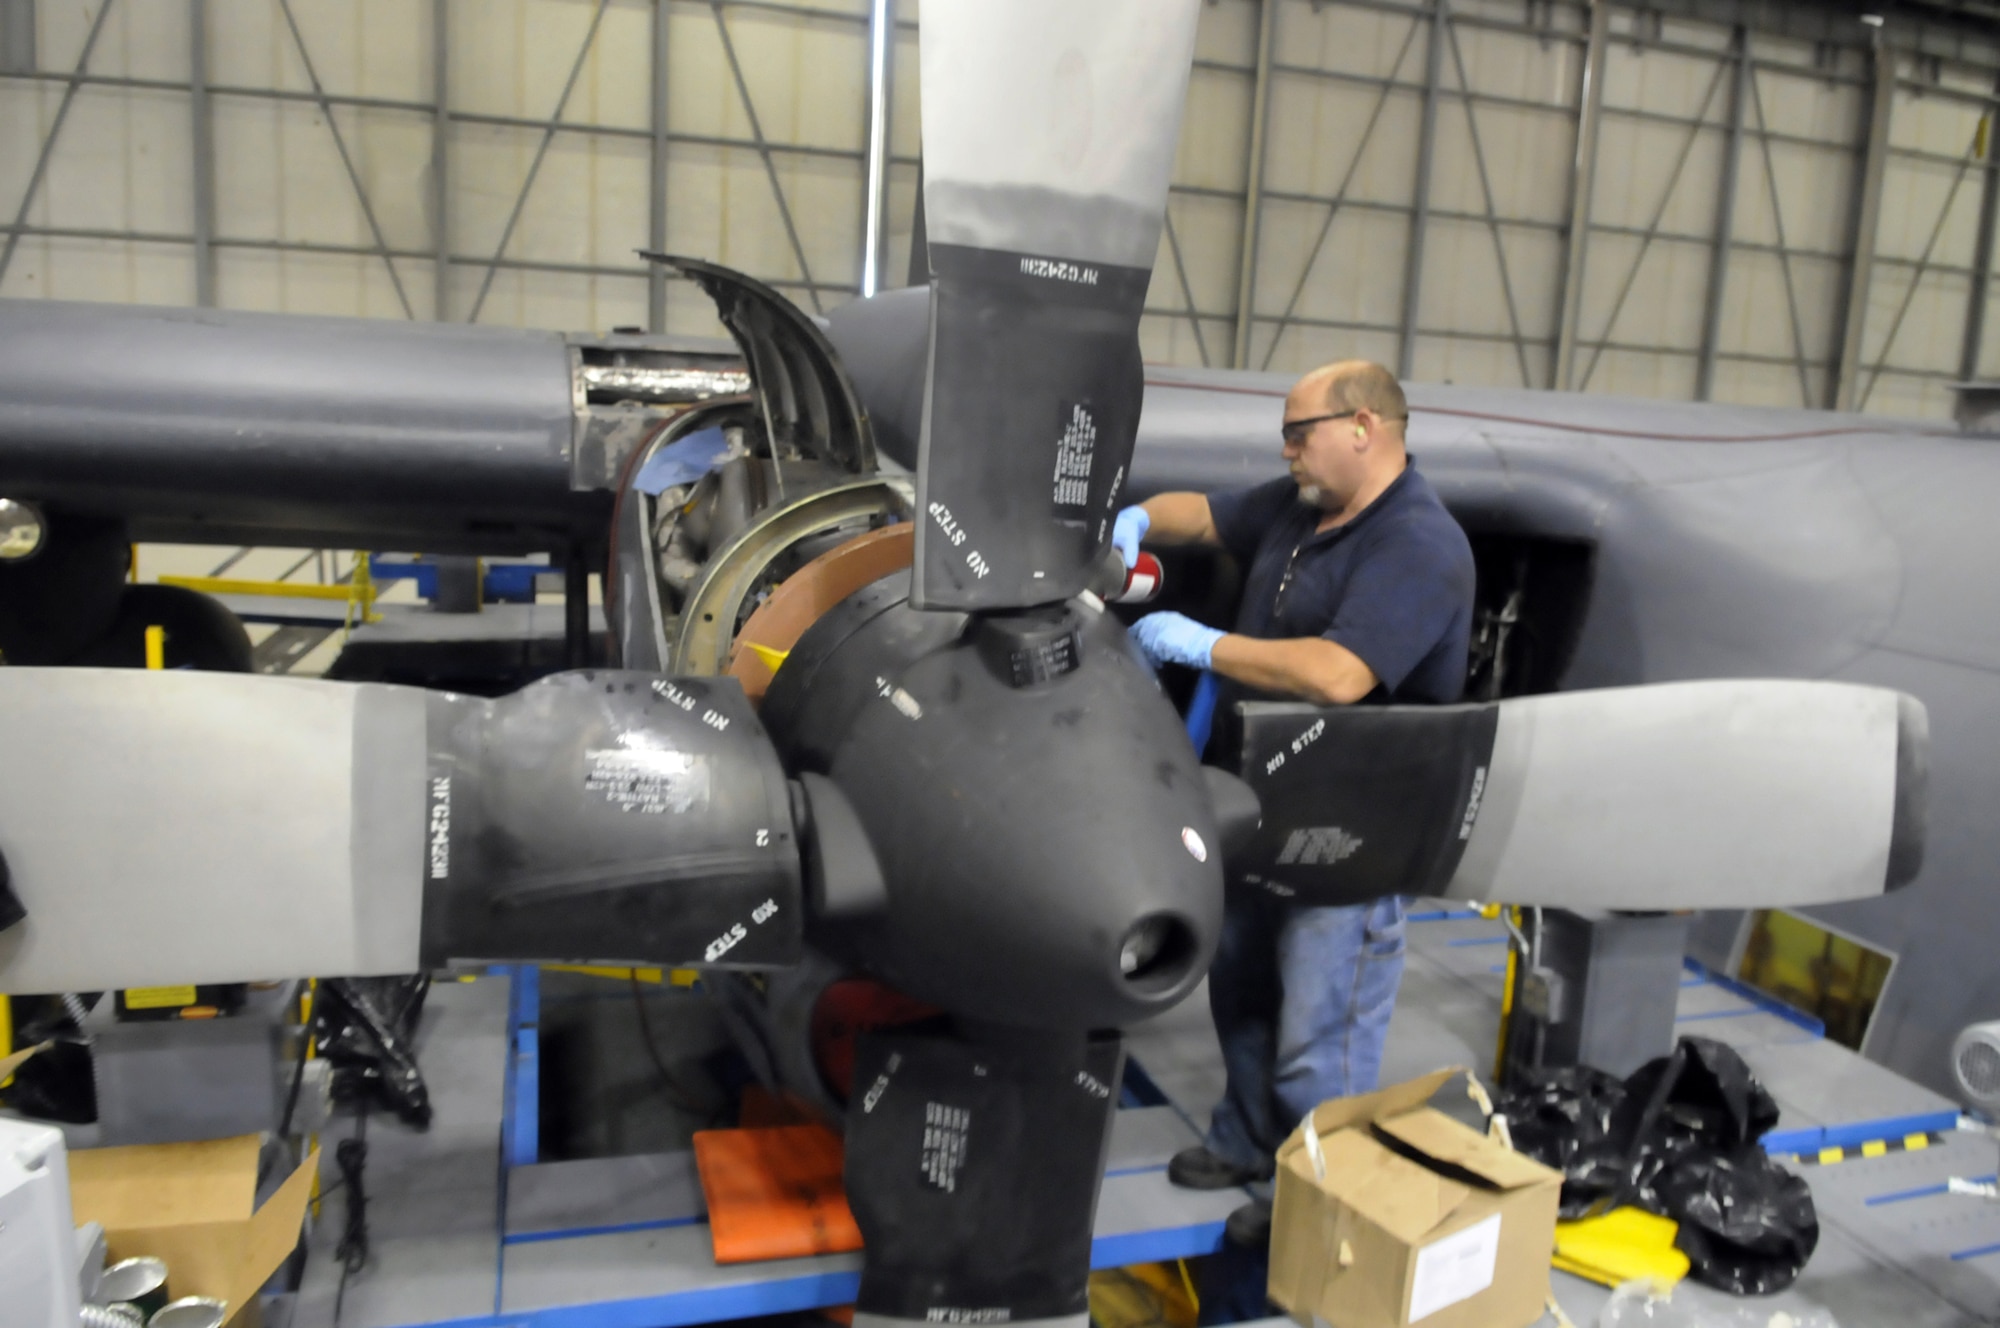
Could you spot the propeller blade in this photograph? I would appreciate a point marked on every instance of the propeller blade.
(1721, 794)
(173, 828)
(1049, 136)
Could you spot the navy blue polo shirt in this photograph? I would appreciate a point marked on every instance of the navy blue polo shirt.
(1394, 585)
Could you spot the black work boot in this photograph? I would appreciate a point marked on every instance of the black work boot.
(1249, 1227)
(1198, 1169)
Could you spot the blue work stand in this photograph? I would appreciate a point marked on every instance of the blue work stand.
(467, 1230)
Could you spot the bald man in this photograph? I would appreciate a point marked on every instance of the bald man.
(1359, 589)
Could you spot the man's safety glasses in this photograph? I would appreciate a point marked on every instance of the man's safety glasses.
(1294, 431)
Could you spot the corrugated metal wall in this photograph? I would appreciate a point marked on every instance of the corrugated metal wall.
(1753, 205)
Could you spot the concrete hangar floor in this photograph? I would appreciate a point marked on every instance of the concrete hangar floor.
(617, 1238)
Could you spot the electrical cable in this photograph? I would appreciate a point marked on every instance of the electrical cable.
(676, 1094)
(352, 1251)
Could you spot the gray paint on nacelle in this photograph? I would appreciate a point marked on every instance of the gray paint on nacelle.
(211, 426)
(1731, 542)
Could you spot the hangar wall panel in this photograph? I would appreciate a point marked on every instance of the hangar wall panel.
(301, 218)
(1731, 140)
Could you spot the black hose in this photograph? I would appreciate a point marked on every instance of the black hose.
(352, 1251)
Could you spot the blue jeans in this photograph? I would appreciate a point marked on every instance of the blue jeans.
(1301, 999)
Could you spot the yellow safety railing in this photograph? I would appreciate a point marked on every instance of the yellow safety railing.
(1491, 911)
(359, 593)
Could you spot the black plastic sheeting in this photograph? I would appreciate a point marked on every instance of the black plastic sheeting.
(58, 1082)
(367, 1029)
(1677, 1138)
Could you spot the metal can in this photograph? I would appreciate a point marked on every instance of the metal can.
(121, 1315)
(191, 1312)
(1142, 581)
(140, 1282)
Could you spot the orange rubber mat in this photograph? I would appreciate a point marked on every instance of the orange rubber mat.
(774, 1193)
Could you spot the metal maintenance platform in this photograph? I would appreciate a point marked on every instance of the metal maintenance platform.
(1894, 1248)
(468, 1230)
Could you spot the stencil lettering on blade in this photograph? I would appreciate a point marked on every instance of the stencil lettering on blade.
(948, 523)
(441, 828)
(1472, 804)
(737, 932)
(881, 1084)
(1075, 451)
(945, 1132)
(1318, 845)
(1055, 270)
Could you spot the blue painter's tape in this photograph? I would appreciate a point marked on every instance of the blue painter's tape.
(1904, 1196)
(1201, 710)
(1975, 1252)
(1476, 940)
(1921, 1192)
(1442, 915)
(682, 461)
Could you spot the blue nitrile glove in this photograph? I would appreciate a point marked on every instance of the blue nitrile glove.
(1175, 638)
(1126, 532)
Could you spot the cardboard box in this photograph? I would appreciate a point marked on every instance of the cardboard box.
(195, 1206)
(1415, 1219)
